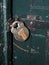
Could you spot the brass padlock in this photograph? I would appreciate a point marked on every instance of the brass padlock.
(20, 32)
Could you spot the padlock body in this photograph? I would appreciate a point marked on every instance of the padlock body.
(20, 33)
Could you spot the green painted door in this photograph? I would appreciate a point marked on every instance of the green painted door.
(36, 44)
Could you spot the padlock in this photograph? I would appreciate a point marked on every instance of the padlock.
(20, 32)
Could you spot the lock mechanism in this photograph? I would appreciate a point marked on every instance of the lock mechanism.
(19, 30)
(22, 33)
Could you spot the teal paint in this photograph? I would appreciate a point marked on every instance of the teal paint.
(5, 29)
(37, 40)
